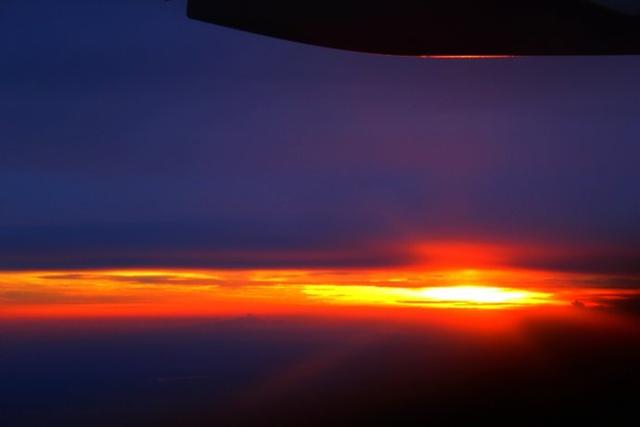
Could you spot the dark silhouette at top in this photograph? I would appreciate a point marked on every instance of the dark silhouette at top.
(413, 27)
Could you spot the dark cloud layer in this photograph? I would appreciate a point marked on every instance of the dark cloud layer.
(134, 136)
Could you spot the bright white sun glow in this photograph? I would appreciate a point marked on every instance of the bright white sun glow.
(481, 297)
(477, 294)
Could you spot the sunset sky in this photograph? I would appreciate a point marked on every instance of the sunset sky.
(133, 137)
(201, 226)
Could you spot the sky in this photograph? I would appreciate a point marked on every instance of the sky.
(132, 136)
(200, 225)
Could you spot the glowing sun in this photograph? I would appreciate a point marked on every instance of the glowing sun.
(480, 297)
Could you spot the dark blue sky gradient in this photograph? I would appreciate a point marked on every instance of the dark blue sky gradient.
(130, 136)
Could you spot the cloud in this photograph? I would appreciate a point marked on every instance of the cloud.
(331, 244)
(235, 245)
(39, 297)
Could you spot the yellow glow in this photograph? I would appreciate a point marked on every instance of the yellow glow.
(445, 297)
(483, 295)
(218, 292)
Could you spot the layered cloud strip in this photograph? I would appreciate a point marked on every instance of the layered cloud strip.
(144, 293)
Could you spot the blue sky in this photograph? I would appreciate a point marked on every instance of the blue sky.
(132, 135)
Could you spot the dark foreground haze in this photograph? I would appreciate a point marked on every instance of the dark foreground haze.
(442, 368)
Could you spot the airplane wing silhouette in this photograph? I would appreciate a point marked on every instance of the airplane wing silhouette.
(438, 28)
